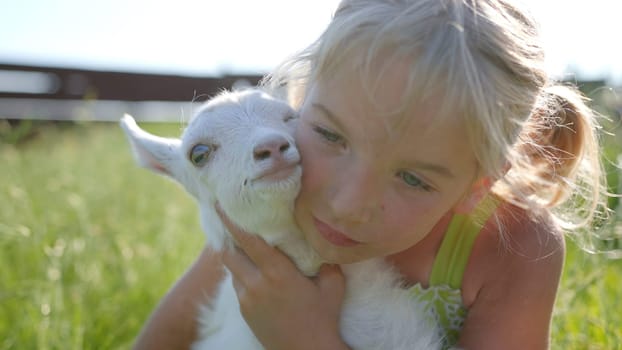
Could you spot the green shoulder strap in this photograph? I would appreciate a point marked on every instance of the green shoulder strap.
(452, 257)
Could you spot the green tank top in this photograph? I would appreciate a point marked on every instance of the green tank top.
(443, 299)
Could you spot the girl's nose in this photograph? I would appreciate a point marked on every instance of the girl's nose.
(356, 197)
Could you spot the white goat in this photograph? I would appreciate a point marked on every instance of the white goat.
(239, 151)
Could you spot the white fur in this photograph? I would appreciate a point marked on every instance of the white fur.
(377, 313)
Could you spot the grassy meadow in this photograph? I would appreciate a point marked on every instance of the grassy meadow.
(89, 243)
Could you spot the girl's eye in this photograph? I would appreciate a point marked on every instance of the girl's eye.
(199, 154)
(328, 135)
(413, 181)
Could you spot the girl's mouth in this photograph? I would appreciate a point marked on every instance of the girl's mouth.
(333, 236)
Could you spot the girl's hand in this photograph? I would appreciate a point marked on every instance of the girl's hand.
(285, 309)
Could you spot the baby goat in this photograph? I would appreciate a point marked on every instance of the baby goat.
(239, 151)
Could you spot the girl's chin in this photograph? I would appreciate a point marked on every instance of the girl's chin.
(337, 255)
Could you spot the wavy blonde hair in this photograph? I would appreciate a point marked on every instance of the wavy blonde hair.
(536, 137)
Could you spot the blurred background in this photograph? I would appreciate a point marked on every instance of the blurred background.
(73, 50)
(57, 55)
(89, 243)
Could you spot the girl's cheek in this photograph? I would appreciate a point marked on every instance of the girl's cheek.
(312, 171)
(309, 161)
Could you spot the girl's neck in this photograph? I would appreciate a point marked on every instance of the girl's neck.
(415, 263)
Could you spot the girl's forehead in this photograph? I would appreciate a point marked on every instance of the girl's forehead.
(381, 86)
(377, 119)
(383, 97)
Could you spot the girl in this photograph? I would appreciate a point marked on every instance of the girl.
(431, 135)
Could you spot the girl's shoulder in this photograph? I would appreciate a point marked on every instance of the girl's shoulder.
(515, 248)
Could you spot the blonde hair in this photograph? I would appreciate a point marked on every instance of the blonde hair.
(537, 138)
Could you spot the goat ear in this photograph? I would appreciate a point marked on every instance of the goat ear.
(155, 153)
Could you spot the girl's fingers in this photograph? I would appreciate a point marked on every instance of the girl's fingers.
(238, 263)
(243, 270)
(331, 283)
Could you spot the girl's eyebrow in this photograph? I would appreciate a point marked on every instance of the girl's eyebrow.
(327, 112)
(419, 165)
(435, 168)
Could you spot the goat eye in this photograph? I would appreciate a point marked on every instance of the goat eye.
(199, 154)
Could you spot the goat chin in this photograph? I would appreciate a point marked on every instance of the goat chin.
(377, 313)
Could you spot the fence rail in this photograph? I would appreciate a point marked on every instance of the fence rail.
(51, 93)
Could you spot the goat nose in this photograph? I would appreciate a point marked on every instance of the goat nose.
(273, 147)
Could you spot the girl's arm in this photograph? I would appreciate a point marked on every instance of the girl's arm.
(173, 324)
(517, 286)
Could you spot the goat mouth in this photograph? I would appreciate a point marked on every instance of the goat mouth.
(277, 173)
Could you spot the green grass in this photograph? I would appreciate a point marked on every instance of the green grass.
(89, 244)
(89, 241)
(587, 311)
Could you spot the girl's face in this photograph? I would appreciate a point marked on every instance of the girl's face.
(373, 184)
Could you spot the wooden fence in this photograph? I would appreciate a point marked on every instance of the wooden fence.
(50, 93)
